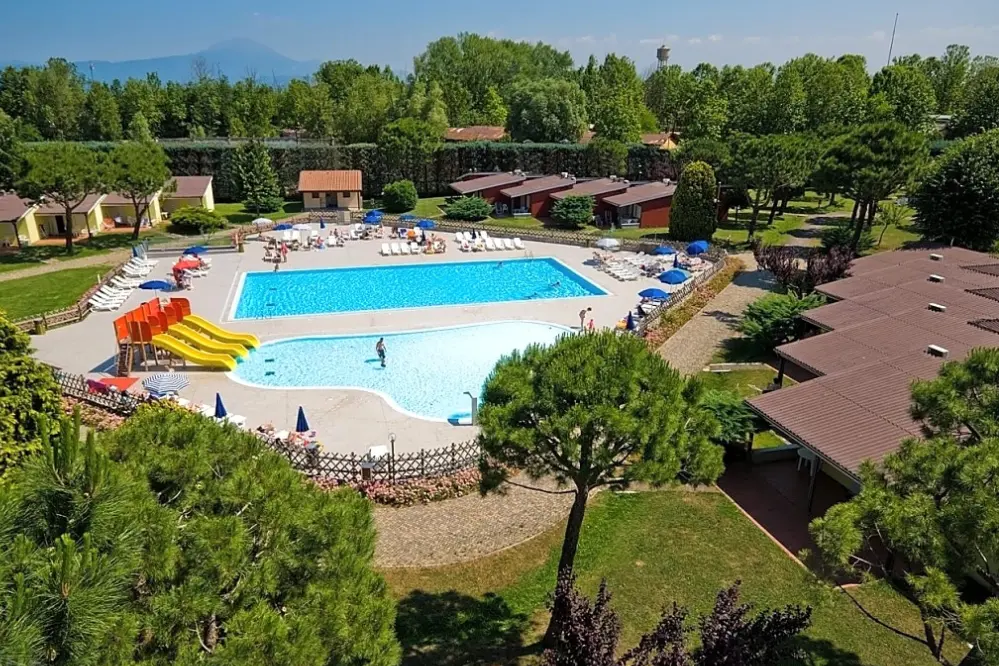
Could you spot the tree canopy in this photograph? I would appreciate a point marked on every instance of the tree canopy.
(258, 183)
(138, 171)
(547, 111)
(694, 213)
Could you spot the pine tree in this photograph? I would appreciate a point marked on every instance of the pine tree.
(256, 178)
(138, 128)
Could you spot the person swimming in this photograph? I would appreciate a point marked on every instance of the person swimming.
(380, 350)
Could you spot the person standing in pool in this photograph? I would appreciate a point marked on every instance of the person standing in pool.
(582, 317)
(380, 350)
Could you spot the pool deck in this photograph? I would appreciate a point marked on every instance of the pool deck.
(345, 421)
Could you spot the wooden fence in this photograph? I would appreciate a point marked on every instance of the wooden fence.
(70, 315)
(650, 320)
(314, 463)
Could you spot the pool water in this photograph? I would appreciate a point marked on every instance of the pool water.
(426, 372)
(337, 290)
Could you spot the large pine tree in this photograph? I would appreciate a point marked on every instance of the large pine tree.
(257, 180)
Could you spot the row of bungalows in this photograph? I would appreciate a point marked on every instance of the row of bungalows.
(617, 202)
(23, 222)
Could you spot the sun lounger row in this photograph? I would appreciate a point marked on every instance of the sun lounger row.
(620, 271)
(483, 242)
(400, 248)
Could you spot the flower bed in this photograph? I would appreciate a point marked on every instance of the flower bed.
(413, 491)
(91, 416)
(680, 314)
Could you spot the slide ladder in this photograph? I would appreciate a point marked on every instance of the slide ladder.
(125, 360)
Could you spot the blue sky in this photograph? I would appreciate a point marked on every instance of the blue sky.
(393, 31)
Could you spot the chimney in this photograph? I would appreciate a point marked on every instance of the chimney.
(936, 307)
(938, 351)
(936, 257)
(613, 178)
(565, 175)
(936, 278)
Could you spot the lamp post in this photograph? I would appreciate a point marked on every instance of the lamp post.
(475, 405)
(392, 454)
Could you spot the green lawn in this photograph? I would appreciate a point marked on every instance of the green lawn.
(99, 244)
(26, 297)
(895, 237)
(747, 382)
(653, 548)
(236, 214)
(735, 234)
(767, 439)
(812, 203)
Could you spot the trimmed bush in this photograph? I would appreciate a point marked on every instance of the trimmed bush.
(573, 212)
(196, 220)
(694, 215)
(471, 209)
(731, 412)
(775, 319)
(841, 236)
(399, 197)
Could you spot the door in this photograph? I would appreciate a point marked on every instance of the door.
(331, 200)
(60, 221)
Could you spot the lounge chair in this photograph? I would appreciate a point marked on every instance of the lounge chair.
(415, 248)
(396, 249)
(478, 245)
(386, 250)
(404, 247)
(519, 244)
(124, 282)
(459, 236)
(490, 245)
(287, 236)
(104, 305)
(236, 419)
(508, 244)
(281, 435)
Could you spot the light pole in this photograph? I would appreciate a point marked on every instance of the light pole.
(392, 454)
(475, 405)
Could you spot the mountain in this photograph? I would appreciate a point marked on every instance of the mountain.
(236, 58)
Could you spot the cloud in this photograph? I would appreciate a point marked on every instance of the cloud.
(714, 38)
(694, 40)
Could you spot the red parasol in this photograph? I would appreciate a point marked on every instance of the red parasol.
(186, 264)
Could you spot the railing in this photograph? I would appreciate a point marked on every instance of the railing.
(677, 297)
(75, 386)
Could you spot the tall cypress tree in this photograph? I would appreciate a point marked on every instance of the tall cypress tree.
(256, 178)
(694, 215)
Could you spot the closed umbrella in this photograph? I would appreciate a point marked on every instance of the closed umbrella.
(663, 249)
(697, 247)
(165, 382)
(653, 293)
(197, 249)
(302, 425)
(322, 223)
(673, 276)
(630, 324)
(220, 412)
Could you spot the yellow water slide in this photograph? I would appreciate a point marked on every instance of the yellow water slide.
(203, 342)
(219, 333)
(192, 355)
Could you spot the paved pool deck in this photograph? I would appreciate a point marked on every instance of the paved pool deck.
(345, 420)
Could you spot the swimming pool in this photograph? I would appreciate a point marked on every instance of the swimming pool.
(426, 372)
(265, 295)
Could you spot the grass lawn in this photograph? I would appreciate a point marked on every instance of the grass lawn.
(652, 548)
(895, 237)
(429, 207)
(735, 234)
(99, 244)
(767, 439)
(26, 297)
(748, 382)
(236, 214)
(812, 203)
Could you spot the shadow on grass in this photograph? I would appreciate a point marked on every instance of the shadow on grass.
(741, 350)
(449, 628)
(819, 652)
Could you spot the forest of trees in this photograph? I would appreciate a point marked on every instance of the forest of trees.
(535, 90)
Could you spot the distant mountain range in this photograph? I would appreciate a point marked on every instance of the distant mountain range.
(236, 58)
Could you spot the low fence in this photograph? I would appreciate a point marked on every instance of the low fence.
(312, 462)
(676, 297)
(79, 311)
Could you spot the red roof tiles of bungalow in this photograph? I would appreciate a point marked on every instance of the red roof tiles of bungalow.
(536, 185)
(891, 312)
(53, 208)
(637, 194)
(473, 185)
(12, 207)
(592, 188)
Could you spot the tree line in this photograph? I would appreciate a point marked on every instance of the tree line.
(534, 90)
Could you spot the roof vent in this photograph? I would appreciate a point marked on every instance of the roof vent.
(613, 178)
(626, 181)
(565, 174)
(936, 307)
(936, 278)
(936, 257)
(937, 350)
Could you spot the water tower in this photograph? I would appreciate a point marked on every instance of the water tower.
(662, 55)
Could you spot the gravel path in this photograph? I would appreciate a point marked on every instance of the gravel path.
(466, 528)
(53, 266)
(693, 346)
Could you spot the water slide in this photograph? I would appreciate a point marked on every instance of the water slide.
(192, 355)
(205, 343)
(214, 331)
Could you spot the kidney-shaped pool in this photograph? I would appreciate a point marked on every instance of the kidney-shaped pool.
(426, 373)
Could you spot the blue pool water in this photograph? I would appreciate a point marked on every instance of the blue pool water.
(334, 290)
(426, 372)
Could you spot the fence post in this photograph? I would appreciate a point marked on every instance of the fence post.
(423, 454)
(454, 448)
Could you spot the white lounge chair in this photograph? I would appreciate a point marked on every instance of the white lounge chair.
(236, 419)
(104, 299)
(414, 248)
(404, 247)
(396, 249)
(287, 236)
(100, 304)
(508, 244)
(124, 282)
(113, 292)
(490, 244)
(459, 236)
(478, 245)
(386, 250)
(519, 244)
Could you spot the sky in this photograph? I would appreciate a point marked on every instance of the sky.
(391, 32)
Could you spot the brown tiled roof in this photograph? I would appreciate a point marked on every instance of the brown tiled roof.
(329, 181)
(637, 194)
(858, 407)
(592, 188)
(13, 207)
(52, 208)
(194, 187)
(475, 133)
(664, 140)
(536, 185)
(473, 185)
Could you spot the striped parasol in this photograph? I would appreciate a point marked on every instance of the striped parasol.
(165, 382)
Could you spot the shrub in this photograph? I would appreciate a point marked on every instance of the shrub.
(399, 197)
(774, 319)
(573, 211)
(841, 236)
(695, 215)
(731, 412)
(468, 208)
(821, 266)
(413, 491)
(196, 220)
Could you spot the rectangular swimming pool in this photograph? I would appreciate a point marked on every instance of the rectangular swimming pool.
(264, 295)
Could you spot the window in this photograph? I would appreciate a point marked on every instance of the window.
(346, 195)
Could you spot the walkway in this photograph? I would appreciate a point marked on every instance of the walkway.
(51, 266)
(466, 528)
(694, 345)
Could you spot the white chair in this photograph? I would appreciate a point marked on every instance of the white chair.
(519, 244)
(236, 419)
(508, 244)
(386, 250)
(124, 283)
(97, 304)
(459, 237)
(490, 245)
(478, 245)
(396, 249)
(404, 247)
(414, 248)
(129, 271)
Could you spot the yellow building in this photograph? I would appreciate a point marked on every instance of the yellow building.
(118, 211)
(50, 218)
(17, 221)
(330, 189)
(195, 191)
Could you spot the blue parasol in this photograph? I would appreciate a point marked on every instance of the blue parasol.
(664, 249)
(630, 324)
(322, 223)
(426, 224)
(673, 276)
(697, 247)
(197, 249)
(653, 293)
(302, 425)
(372, 220)
(220, 412)
(165, 382)
(282, 227)
(676, 261)
(158, 285)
